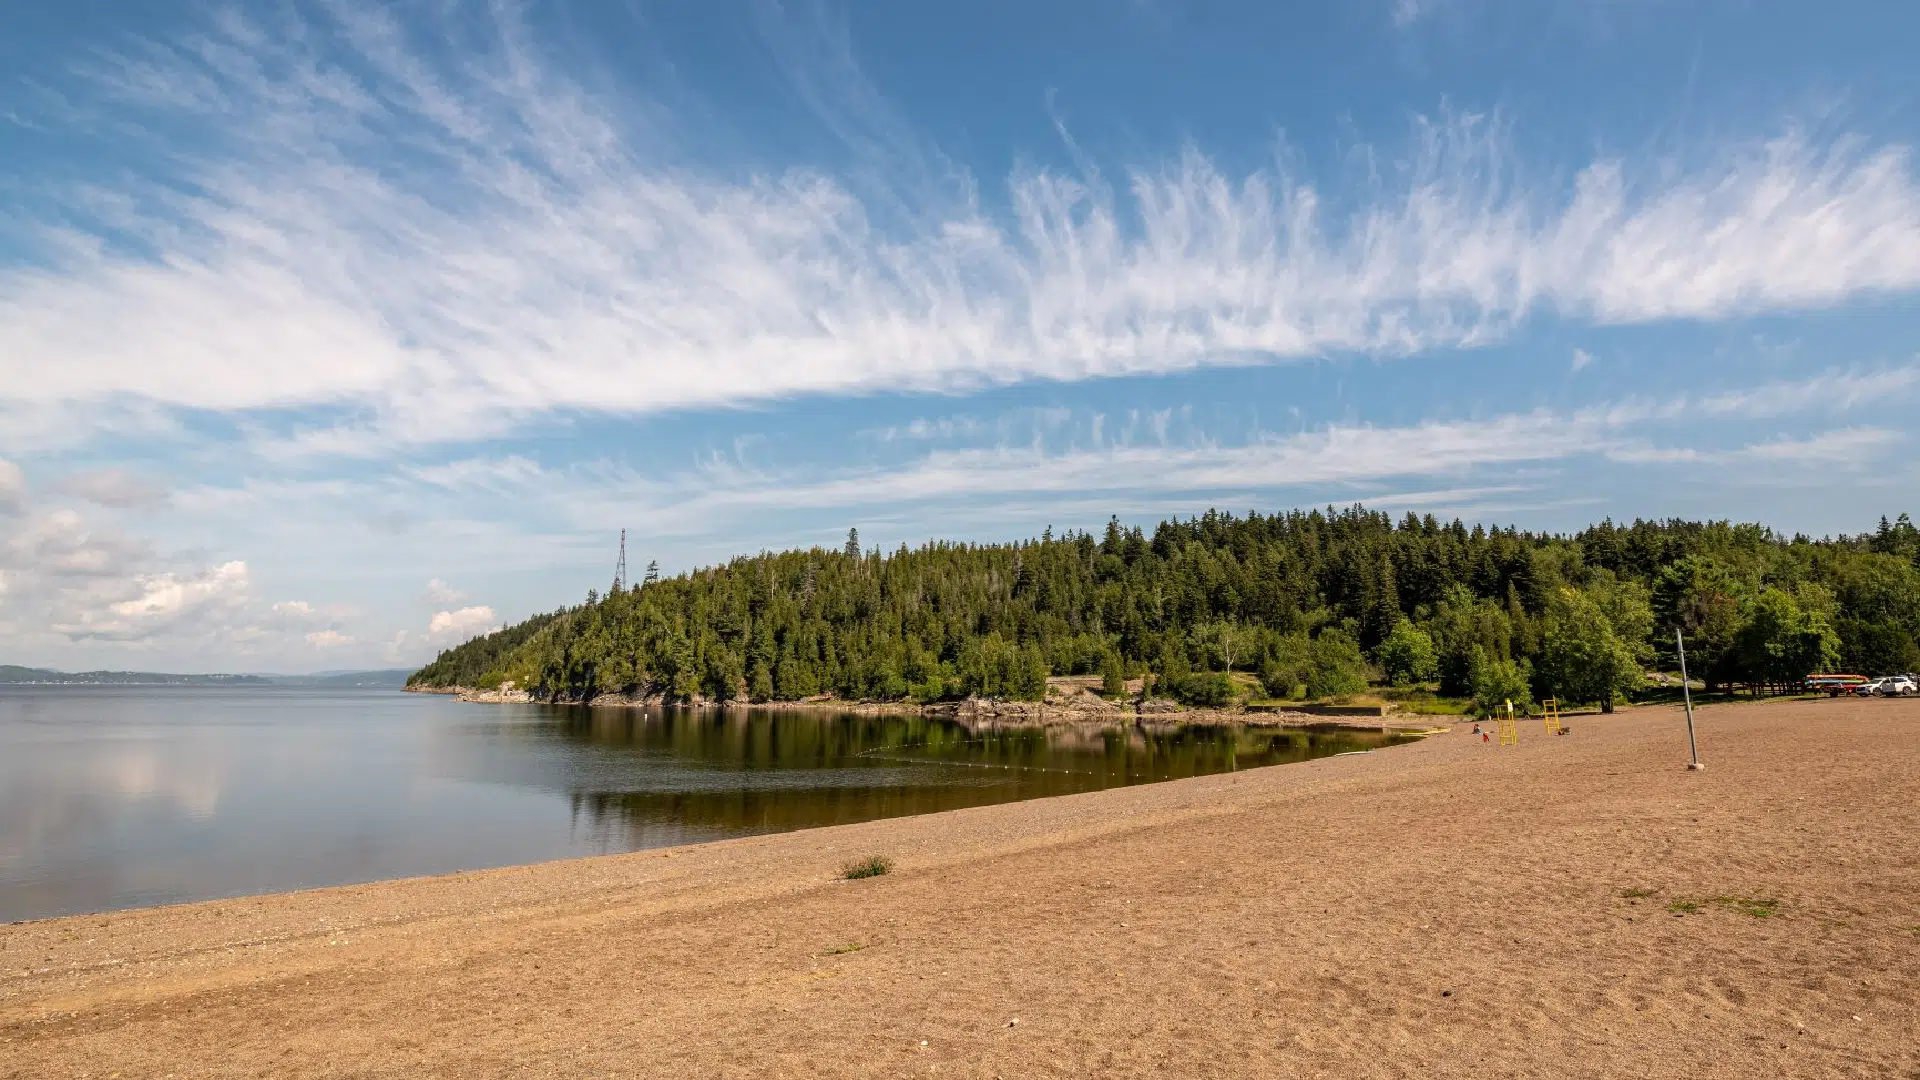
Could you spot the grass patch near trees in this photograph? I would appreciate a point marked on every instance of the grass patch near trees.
(1422, 701)
(871, 866)
(1636, 893)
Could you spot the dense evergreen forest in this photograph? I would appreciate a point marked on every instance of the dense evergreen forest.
(1314, 604)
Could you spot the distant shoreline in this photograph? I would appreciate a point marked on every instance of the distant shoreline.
(203, 681)
(14, 675)
(1096, 711)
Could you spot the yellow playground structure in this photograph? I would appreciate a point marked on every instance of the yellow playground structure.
(1550, 714)
(1509, 729)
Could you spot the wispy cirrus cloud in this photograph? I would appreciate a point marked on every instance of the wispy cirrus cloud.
(1832, 390)
(538, 250)
(1310, 460)
(1104, 458)
(1093, 458)
(1854, 447)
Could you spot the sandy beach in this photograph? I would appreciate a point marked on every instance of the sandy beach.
(1573, 906)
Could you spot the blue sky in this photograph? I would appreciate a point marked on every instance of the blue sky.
(334, 332)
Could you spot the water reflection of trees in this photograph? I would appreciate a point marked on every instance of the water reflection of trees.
(772, 770)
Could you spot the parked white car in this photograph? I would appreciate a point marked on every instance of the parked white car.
(1897, 686)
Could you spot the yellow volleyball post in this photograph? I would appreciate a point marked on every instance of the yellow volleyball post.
(1550, 714)
(1509, 730)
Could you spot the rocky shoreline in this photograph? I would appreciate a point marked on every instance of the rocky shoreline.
(1059, 709)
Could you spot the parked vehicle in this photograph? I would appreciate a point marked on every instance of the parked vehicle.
(1899, 686)
(1870, 688)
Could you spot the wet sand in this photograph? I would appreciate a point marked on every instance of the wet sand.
(1446, 908)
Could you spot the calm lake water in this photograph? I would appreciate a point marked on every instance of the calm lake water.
(114, 797)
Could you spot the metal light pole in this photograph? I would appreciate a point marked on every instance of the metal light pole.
(1686, 693)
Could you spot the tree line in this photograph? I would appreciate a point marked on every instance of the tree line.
(1313, 603)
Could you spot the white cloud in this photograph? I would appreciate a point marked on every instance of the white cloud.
(441, 593)
(401, 649)
(461, 624)
(1141, 460)
(1331, 455)
(328, 639)
(1846, 448)
(71, 584)
(537, 250)
(922, 429)
(1125, 457)
(117, 489)
(1829, 391)
(61, 545)
(169, 603)
(1850, 447)
(499, 475)
(35, 425)
(1581, 358)
(13, 488)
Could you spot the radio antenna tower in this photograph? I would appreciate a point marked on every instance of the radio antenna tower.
(620, 568)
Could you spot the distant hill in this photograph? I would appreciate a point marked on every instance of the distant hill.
(14, 674)
(1307, 601)
(10, 673)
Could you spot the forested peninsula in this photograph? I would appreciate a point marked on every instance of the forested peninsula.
(1311, 604)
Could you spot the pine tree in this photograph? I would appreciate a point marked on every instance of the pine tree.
(1113, 676)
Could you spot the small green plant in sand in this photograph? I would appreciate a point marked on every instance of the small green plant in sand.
(871, 866)
(1752, 906)
(1636, 893)
(1748, 905)
(842, 950)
